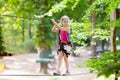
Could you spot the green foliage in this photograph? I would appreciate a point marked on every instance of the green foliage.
(44, 36)
(107, 65)
(16, 28)
(104, 78)
(118, 42)
(28, 46)
(74, 9)
(12, 34)
(56, 8)
(102, 9)
(82, 31)
(45, 52)
(20, 47)
(2, 48)
(117, 34)
(101, 34)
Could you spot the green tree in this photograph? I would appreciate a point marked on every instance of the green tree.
(110, 57)
(2, 48)
(17, 13)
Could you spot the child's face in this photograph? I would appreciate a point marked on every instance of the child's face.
(65, 22)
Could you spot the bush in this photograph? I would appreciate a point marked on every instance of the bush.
(28, 46)
(107, 65)
(24, 47)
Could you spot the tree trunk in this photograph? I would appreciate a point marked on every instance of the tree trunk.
(113, 38)
(93, 39)
(103, 41)
(29, 29)
(23, 31)
(103, 45)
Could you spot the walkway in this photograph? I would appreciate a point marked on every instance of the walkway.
(25, 65)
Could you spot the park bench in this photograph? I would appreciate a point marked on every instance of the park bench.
(45, 57)
(44, 63)
(44, 60)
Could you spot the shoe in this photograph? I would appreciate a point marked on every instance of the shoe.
(67, 73)
(57, 73)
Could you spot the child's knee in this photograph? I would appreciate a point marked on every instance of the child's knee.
(65, 58)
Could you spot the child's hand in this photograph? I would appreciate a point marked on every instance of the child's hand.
(55, 23)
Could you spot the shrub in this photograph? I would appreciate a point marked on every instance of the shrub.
(107, 65)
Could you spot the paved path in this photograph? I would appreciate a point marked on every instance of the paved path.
(25, 64)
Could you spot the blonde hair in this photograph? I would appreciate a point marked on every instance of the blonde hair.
(64, 17)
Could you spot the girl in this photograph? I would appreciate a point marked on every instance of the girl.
(64, 42)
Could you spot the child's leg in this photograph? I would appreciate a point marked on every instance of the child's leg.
(60, 57)
(66, 63)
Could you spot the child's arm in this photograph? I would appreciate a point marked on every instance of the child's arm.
(59, 27)
(55, 29)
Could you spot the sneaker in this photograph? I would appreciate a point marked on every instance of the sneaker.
(57, 73)
(67, 73)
